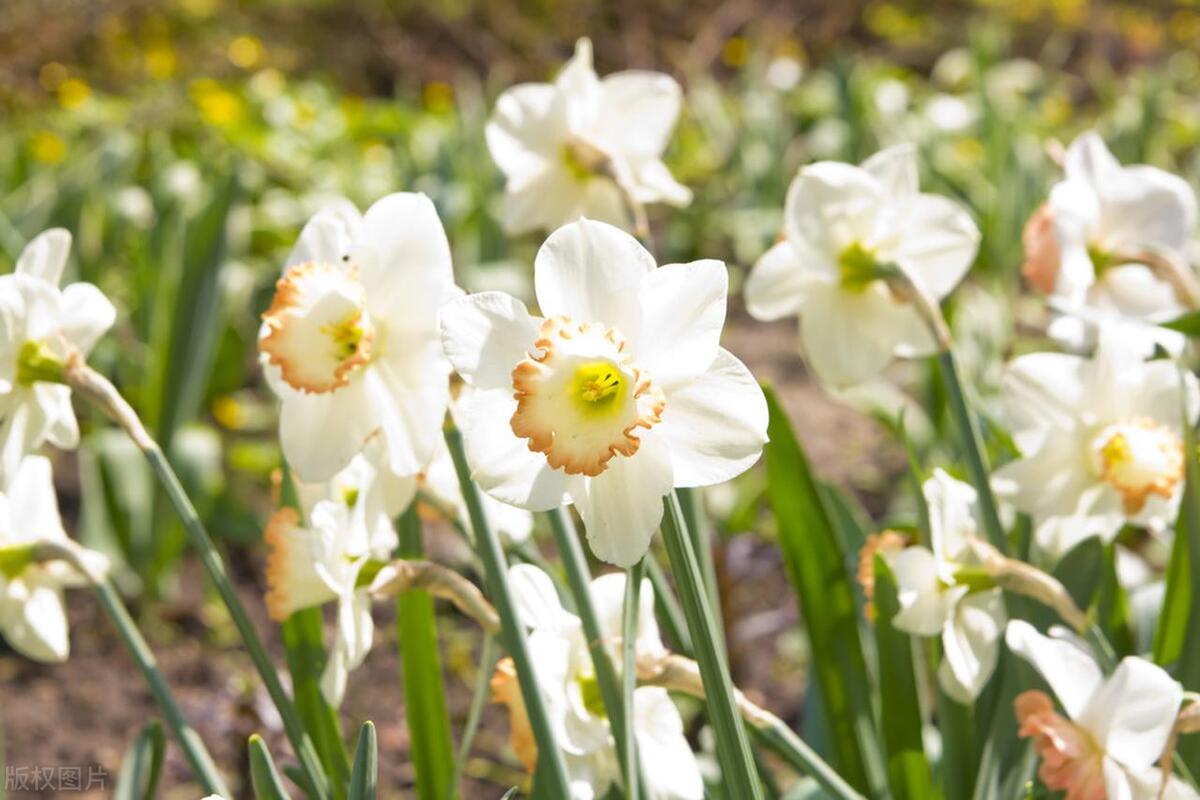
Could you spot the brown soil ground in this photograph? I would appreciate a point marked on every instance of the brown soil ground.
(86, 712)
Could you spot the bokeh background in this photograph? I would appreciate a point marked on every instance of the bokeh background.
(185, 142)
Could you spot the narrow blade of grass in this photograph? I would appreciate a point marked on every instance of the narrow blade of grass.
(142, 765)
(817, 569)
(424, 690)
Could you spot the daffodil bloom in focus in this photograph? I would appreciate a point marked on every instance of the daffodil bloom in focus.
(844, 229)
(41, 326)
(585, 146)
(572, 694)
(1108, 745)
(32, 617)
(320, 562)
(944, 592)
(350, 342)
(617, 394)
(1084, 247)
(1101, 440)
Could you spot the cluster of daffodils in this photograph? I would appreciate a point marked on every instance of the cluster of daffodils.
(42, 329)
(572, 694)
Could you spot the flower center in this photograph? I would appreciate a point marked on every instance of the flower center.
(1071, 758)
(589, 693)
(37, 362)
(318, 330)
(1139, 458)
(583, 159)
(857, 267)
(580, 397)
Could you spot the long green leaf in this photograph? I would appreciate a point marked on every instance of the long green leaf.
(1112, 606)
(305, 650)
(421, 667)
(908, 769)
(142, 765)
(365, 777)
(1188, 527)
(268, 785)
(817, 568)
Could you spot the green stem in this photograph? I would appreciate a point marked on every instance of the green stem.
(551, 766)
(733, 747)
(691, 501)
(575, 565)
(972, 443)
(487, 663)
(629, 633)
(669, 612)
(189, 741)
(796, 752)
(99, 390)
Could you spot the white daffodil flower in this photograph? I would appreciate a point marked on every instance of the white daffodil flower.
(350, 342)
(382, 494)
(1101, 440)
(310, 565)
(937, 594)
(572, 694)
(585, 146)
(32, 617)
(1115, 729)
(617, 394)
(844, 228)
(40, 327)
(1085, 246)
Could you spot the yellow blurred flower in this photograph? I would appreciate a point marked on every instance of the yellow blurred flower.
(245, 52)
(219, 106)
(47, 147)
(735, 51)
(229, 413)
(72, 93)
(160, 60)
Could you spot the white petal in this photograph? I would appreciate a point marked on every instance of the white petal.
(46, 256)
(351, 643)
(638, 110)
(937, 241)
(831, 205)
(1044, 389)
(1132, 713)
(1089, 160)
(524, 132)
(33, 503)
(502, 464)
(654, 183)
(622, 507)
(550, 197)
(716, 425)
(327, 238)
(320, 433)
(608, 599)
(895, 168)
(850, 337)
(403, 258)
(1073, 674)
(591, 272)
(670, 767)
(59, 426)
(485, 335)
(536, 600)
(971, 642)
(1146, 207)
(578, 89)
(951, 520)
(924, 606)
(38, 628)
(782, 279)
(683, 312)
(410, 393)
(87, 315)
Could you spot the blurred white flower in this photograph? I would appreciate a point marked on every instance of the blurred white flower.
(41, 327)
(572, 695)
(32, 617)
(1109, 743)
(350, 343)
(844, 225)
(936, 595)
(1085, 245)
(135, 204)
(617, 395)
(367, 482)
(950, 114)
(891, 97)
(784, 73)
(585, 146)
(310, 565)
(1101, 440)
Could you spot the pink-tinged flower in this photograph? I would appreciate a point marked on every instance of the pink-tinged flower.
(1042, 257)
(1108, 744)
